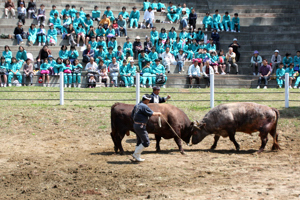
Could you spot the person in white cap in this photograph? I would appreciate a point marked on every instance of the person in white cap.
(140, 115)
(275, 60)
(137, 46)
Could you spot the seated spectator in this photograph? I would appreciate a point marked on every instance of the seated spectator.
(14, 70)
(149, 18)
(59, 66)
(280, 75)
(158, 70)
(4, 66)
(66, 22)
(221, 62)
(124, 14)
(53, 12)
(31, 9)
(123, 74)
(297, 61)
(148, 45)
(147, 75)
(7, 54)
(230, 60)
(146, 5)
(109, 14)
(100, 32)
(214, 62)
(56, 23)
(287, 60)
(168, 59)
(216, 38)
(41, 34)
(207, 70)
(32, 35)
(264, 73)
(291, 72)
(207, 20)
(131, 73)
(52, 63)
(235, 45)
(143, 60)
(41, 15)
(104, 77)
(134, 18)
(154, 35)
(188, 11)
(100, 55)
(180, 59)
(110, 33)
(275, 60)
(235, 23)
(153, 55)
(91, 33)
(73, 54)
(44, 53)
(127, 48)
(109, 55)
(92, 81)
(161, 7)
(172, 15)
(66, 11)
(114, 71)
(194, 73)
(137, 47)
(113, 44)
(154, 6)
(116, 28)
(77, 20)
(44, 71)
(96, 14)
(226, 21)
(68, 73)
(88, 22)
(297, 77)
(80, 32)
(172, 35)
(122, 26)
(87, 54)
(82, 14)
(63, 53)
(105, 22)
(184, 19)
(256, 61)
(217, 21)
(200, 36)
(52, 35)
(101, 65)
(9, 7)
(18, 32)
(22, 13)
(91, 68)
(211, 47)
(163, 35)
(21, 54)
(71, 34)
(119, 55)
(73, 12)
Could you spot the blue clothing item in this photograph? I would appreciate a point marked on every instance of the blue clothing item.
(176, 46)
(194, 47)
(82, 15)
(76, 69)
(32, 35)
(153, 56)
(52, 63)
(226, 22)
(217, 21)
(159, 48)
(234, 22)
(93, 44)
(100, 32)
(141, 113)
(110, 15)
(52, 13)
(153, 36)
(172, 17)
(11, 75)
(163, 36)
(73, 12)
(21, 55)
(4, 66)
(7, 55)
(210, 47)
(172, 36)
(154, 6)
(88, 23)
(287, 61)
(207, 20)
(124, 14)
(77, 21)
(56, 23)
(146, 5)
(14, 67)
(183, 35)
(192, 35)
(160, 6)
(290, 71)
(52, 33)
(112, 32)
(73, 54)
(199, 36)
(131, 72)
(134, 18)
(45, 66)
(179, 11)
(63, 54)
(142, 60)
(103, 44)
(156, 70)
(96, 13)
(99, 55)
(58, 67)
(66, 12)
(147, 75)
(171, 7)
(80, 30)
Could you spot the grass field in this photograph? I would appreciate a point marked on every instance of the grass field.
(50, 151)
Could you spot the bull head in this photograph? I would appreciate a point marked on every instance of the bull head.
(199, 133)
(199, 125)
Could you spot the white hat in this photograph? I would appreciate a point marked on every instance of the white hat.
(276, 51)
(137, 38)
(131, 60)
(234, 39)
(183, 9)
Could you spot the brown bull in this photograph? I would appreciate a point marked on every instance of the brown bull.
(122, 123)
(227, 119)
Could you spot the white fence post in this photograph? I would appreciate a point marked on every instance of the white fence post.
(212, 90)
(61, 88)
(287, 93)
(137, 88)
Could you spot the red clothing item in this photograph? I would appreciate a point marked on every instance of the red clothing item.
(115, 26)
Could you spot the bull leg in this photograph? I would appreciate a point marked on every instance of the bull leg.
(118, 140)
(232, 138)
(115, 145)
(264, 140)
(179, 144)
(217, 137)
(157, 138)
(275, 139)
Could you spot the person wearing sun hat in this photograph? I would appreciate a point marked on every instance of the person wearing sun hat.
(256, 61)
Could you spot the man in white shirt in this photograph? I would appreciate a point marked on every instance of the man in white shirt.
(92, 67)
(157, 99)
(168, 59)
(149, 17)
(194, 73)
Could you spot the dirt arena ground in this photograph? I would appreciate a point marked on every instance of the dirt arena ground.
(50, 152)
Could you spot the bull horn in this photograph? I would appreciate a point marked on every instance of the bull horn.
(197, 122)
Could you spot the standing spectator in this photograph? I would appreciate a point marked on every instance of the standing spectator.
(96, 14)
(148, 45)
(137, 47)
(9, 7)
(44, 53)
(32, 35)
(3, 71)
(275, 60)
(207, 20)
(122, 26)
(230, 60)
(114, 71)
(109, 14)
(22, 13)
(7, 54)
(226, 21)
(184, 18)
(52, 35)
(221, 62)
(207, 70)
(44, 71)
(172, 15)
(124, 14)
(236, 47)
(287, 60)
(80, 32)
(216, 38)
(217, 21)
(21, 54)
(31, 9)
(280, 75)
(264, 72)
(41, 15)
(194, 73)
(235, 23)
(105, 22)
(41, 34)
(134, 18)
(143, 59)
(180, 59)
(290, 71)
(297, 61)
(87, 54)
(21, 1)
(256, 61)
(18, 32)
(158, 71)
(168, 59)
(14, 70)
(149, 17)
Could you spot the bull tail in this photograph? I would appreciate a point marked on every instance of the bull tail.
(274, 131)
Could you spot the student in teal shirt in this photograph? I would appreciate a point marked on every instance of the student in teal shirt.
(66, 22)
(96, 14)
(52, 63)
(14, 70)
(160, 6)
(147, 75)
(163, 35)
(154, 5)
(52, 33)
(153, 35)
(21, 54)
(217, 21)
(66, 11)
(100, 32)
(102, 43)
(7, 54)
(192, 35)
(73, 12)
(80, 31)
(59, 66)
(177, 45)
(110, 32)
(134, 18)
(53, 12)
(297, 61)
(235, 23)
(202, 45)
(131, 73)
(158, 69)
(280, 75)
(73, 54)
(88, 22)
(56, 22)
(211, 46)
(159, 46)
(63, 53)
(153, 55)
(188, 52)
(32, 35)
(172, 35)
(226, 21)
(290, 71)
(3, 66)
(77, 20)
(143, 59)
(44, 70)
(124, 13)
(207, 20)
(194, 46)
(287, 60)
(123, 72)
(146, 5)
(68, 73)
(93, 43)
(100, 54)
(199, 35)
(113, 43)
(108, 57)
(127, 47)
(172, 16)
(82, 14)
(119, 55)
(76, 69)
(183, 35)
(109, 14)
